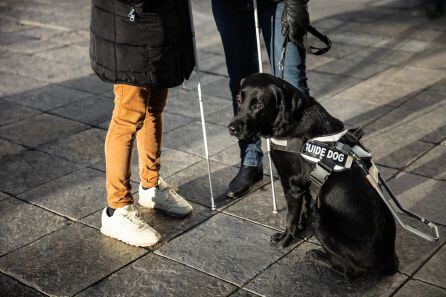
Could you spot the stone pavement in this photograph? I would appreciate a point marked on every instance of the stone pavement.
(386, 72)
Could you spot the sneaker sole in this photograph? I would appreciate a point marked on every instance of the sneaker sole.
(110, 234)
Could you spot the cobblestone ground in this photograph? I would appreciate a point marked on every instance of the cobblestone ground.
(386, 72)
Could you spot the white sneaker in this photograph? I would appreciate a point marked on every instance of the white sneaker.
(127, 226)
(166, 198)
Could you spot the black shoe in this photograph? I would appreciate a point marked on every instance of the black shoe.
(242, 183)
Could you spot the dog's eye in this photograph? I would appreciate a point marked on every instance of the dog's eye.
(258, 106)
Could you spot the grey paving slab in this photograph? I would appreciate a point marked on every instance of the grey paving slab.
(90, 83)
(189, 139)
(353, 112)
(340, 50)
(8, 148)
(324, 84)
(23, 223)
(439, 87)
(221, 117)
(434, 271)
(186, 103)
(244, 293)
(349, 67)
(75, 195)
(4, 196)
(14, 84)
(359, 38)
(226, 247)
(295, 275)
(91, 256)
(422, 195)
(30, 169)
(418, 76)
(174, 121)
(11, 113)
(258, 207)
(413, 251)
(383, 56)
(13, 288)
(432, 164)
(168, 226)
(85, 148)
(47, 98)
(193, 183)
(158, 276)
(415, 288)
(72, 54)
(40, 129)
(91, 110)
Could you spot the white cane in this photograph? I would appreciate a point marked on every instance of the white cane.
(200, 101)
(268, 141)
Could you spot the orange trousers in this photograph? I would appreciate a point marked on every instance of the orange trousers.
(137, 113)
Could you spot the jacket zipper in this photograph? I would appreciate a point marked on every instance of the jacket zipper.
(132, 14)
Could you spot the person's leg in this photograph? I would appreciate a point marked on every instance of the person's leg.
(294, 59)
(235, 22)
(128, 116)
(120, 219)
(148, 139)
(154, 192)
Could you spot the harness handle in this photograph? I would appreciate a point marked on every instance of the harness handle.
(376, 185)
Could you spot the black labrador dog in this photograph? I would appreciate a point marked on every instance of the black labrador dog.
(354, 226)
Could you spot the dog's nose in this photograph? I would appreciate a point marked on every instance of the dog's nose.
(233, 129)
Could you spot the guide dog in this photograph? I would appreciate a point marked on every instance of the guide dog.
(354, 226)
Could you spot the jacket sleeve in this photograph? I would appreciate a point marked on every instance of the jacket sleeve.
(295, 20)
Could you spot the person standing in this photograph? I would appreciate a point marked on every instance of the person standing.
(144, 48)
(277, 19)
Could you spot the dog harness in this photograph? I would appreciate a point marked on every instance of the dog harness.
(337, 152)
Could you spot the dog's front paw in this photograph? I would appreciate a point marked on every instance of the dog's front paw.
(281, 239)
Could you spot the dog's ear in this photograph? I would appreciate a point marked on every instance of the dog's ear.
(289, 102)
(242, 81)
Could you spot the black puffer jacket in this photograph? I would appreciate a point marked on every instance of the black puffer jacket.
(153, 50)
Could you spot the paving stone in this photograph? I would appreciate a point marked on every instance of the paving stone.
(421, 195)
(349, 67)
(4, 196)
(340, 50)
(415, 288)
(91, 256)
(217, 87)
(49, 97)
(11, 113)
(14, 84)
(391, 151)
(189, 139)
(9, 149)
(358, 38)
(12, 288)
(433, 59)
(158, 276)
(295, 274)
(221, 117)
(258, 207)
(91, 110)
(90, 83)
(23, 223)
(383, 56)
(72, 54)
(75, 195)
(174, 121)
(226, 247)
(413, 251)
(439, 87)
(418, 77)
(324, 84)
(85, 148)
(432, 164)
(40, 129)
(186, 103)
(313, 62)
(353, 112)
(434, 271)
(244, 293)
(213, 63)
(380, 93)
(193, 183)
(29, 169)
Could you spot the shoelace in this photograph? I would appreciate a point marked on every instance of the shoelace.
(133, 217)
(173, 196)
